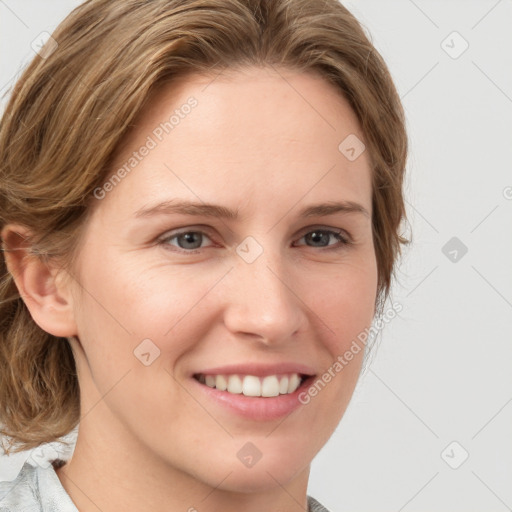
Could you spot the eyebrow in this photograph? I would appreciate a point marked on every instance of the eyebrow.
(178, 206)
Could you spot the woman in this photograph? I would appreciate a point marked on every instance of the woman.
(200, 212)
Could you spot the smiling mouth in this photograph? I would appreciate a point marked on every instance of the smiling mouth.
(251, 385)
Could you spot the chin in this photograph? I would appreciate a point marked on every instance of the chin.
(256, 464)
(263, 477)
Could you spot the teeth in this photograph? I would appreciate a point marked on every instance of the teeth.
(293, 383)
(250, 385)
(235, 384)
(270, 386)
(221, 382)
(283, 385)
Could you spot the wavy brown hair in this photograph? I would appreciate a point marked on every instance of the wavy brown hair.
(72, 107)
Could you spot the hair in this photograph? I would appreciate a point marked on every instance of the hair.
(75, 103)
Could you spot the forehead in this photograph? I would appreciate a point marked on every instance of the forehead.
(255, 131)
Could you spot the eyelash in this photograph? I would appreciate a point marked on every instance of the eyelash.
(344, 240)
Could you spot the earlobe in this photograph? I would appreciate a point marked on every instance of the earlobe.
(48, 298)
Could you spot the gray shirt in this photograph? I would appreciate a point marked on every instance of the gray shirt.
(38, 489)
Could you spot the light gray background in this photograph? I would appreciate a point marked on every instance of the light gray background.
(441, 372)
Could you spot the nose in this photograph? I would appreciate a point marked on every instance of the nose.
(261, 302)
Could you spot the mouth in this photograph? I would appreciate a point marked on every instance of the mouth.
(252, 385)
(254, 391)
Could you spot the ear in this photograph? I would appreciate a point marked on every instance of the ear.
(46, 295)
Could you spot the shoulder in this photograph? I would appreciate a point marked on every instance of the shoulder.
(35, 489)
(20, 493)
(313, 506)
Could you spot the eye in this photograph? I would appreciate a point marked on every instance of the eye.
(187, 241)
(191, 241)
(323, 236)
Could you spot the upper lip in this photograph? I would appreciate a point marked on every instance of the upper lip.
(259, 370)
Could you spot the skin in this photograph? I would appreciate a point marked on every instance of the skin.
(265, 143)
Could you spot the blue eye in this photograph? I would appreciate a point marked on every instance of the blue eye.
(323, 236)
(189, 242)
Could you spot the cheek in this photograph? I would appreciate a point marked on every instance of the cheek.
(344, 301)
(128, 301)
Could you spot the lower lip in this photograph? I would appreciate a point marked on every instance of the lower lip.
(256, 408)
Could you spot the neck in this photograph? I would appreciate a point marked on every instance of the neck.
(109, 471)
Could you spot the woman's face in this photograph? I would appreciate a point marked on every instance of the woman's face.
(172, 298)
